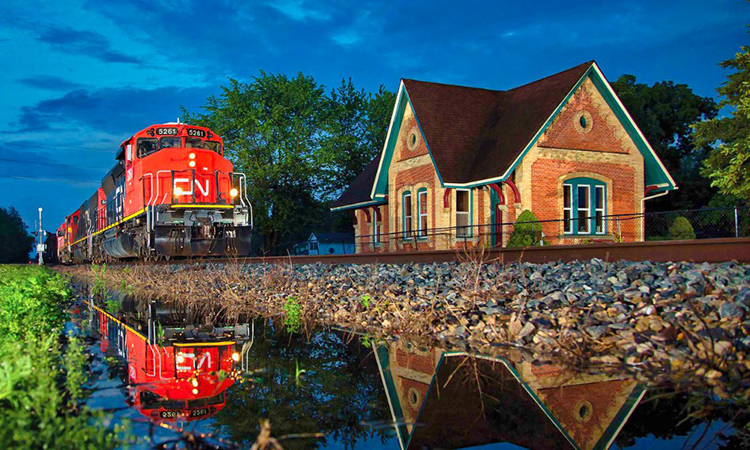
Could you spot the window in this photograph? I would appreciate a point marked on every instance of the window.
(422, 212)
(170, 142)
(193, 143)
(213, 145)
(584, 206)
(568, 208)
(313, 246)
(146, 146)
(375, 228)
(463, 213)
(407, 214)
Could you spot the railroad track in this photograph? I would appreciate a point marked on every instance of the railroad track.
(703, 250)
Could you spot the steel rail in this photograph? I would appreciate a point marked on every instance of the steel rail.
(698, 250)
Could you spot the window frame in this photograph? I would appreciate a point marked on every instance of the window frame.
(573, 225)
(406, 214)
(422, 231)
(376, 228)
(469, 203)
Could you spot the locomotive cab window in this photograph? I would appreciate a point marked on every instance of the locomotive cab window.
(213, 145)
(193, 143)
(146, 146)
(170, 142)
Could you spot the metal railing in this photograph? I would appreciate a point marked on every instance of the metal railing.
(705, 223)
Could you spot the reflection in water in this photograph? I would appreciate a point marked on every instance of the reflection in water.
(229, 377)
(454, 400)
(176, 372)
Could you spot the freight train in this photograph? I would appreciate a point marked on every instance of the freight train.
(170, 193)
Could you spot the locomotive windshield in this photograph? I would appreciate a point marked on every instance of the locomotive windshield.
(146, 146)
(170, 142)
(213, 145)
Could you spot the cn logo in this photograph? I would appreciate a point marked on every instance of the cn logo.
(182, 183)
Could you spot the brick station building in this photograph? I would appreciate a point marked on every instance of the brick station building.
(460, 164)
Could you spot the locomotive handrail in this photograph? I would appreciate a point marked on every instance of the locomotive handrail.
(148, 210)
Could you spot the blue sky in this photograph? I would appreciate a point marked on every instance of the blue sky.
(80, 76)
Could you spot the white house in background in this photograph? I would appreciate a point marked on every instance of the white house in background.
(327, 244)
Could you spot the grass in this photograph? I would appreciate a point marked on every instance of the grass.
(41, 379)
(292, 314)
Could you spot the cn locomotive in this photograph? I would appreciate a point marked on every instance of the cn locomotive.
(170, 193)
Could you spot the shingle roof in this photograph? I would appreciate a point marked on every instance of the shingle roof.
(333, 237)
(475, 134)
(359, 190)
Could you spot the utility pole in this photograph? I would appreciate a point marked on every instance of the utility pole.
(40, 246)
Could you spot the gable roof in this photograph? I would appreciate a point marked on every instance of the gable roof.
(477, 136)
(331, 237)
(474, 134)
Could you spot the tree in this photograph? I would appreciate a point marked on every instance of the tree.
(728, 163)
(15, 242)
(298, 147)
(665, 112)
(527, 232)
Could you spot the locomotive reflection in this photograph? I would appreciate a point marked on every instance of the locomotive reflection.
(174, 371)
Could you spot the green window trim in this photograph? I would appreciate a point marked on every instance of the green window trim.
(470, 219)
(584, 207)
(406, 232)
(420, 230)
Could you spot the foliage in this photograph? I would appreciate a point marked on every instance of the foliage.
(39, 408)
(527, 232)
(298, 146)
(99, 288)
(728, 163)
(665, 112)
(681, 229)
(15, 242)
(292, 314)
(366, 300)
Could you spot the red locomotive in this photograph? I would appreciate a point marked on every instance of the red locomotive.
(170, 193)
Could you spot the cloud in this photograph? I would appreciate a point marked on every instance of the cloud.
(299, 10)
(49, 83)
(113, 110)
(85, 43)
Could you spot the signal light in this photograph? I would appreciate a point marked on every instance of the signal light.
(233, 192)
(177, 191)
(191, 156)
(191, 164)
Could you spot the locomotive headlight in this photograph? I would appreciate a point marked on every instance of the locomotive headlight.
(195, 391)
(235, 356)
(177, 191)
(191, 164)
(191, 156)
(194, 382)
(180, 359)
(233, 192)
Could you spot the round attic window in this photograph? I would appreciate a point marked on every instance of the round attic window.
(583, 121)
(412, 139)
(583, 411)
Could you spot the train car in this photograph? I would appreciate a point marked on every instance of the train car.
(171, 377)
(170, 193)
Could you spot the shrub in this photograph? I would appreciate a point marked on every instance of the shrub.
(292, 314)
(526, 234)
(681, 229)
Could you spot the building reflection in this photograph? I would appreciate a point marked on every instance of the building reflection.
(442, 399)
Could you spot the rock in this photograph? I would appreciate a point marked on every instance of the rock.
(722, 347)
(730, 310)
(527, 329)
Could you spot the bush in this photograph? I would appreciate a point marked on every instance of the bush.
(681, 229)
(526, 234)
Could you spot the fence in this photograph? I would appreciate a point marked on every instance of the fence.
(704, 224)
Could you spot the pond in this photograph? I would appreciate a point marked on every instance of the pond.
(183, 378)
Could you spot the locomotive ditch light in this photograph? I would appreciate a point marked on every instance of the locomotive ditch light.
(194, 382)
(177, 191)
(195, 391)
(191, 163)
(233, 192)
(235, 356)
(180, 358)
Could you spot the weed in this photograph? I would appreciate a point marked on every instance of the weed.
(298, 373)
(292, 314)
(99, 287)
(113, 305)
(365, 301)
(74, 362)
(366, 340)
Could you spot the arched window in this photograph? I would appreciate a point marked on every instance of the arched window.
(422, 212)
(584, 206)
(406, 213)
(463, 213)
